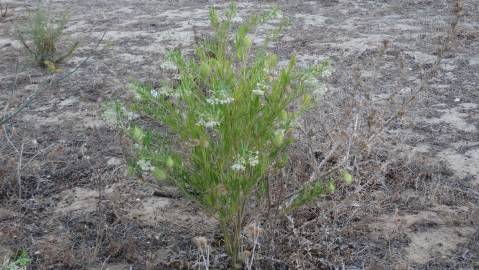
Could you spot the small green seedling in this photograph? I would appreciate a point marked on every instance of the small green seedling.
(19, 262)
(40, 37)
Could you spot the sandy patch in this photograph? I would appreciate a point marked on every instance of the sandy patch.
(463, 164)
(454, 118)
(431, 233)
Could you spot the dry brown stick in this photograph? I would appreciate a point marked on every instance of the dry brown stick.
(317, 167)
(37, 154)
(19, 172)
(9, 141)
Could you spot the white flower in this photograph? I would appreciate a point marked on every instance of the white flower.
(220, 101)
(238, 167)
(237, 19)
(132, 116)
(239, 164)
(219, 96)
(165, 91)
(227, 100)
(211, 124)
(207, 124)
(211, 101)
(145, 165)
(248, 159)
(168, 65)
(321, 90)
(258, 92)
(253, 159)
(328, 71)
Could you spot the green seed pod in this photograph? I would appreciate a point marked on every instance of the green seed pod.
(159, 174)
(272, 61)
(205, 70)
(278, 138)
(170, 163)
(283, 116)
(347, 177)
(331, 187)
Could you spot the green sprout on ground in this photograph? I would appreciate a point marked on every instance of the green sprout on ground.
(20, 262)
(229, 116)
(40, 37)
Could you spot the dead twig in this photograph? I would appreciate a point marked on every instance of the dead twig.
(37, 154)
(19, 172)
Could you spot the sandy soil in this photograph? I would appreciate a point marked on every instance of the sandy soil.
(80, 210)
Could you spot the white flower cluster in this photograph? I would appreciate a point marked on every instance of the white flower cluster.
(208, 124)
(253, 158)
(259, 90)
(164, 91)
(168, 65)
(238, 167)
(220, 101)
(238, 19)
(145, 165)
(320, 90)
(220, 97)
(250, 159)
(328, 71)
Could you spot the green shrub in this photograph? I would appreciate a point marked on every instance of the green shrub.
(229, 119)
(40, 37)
